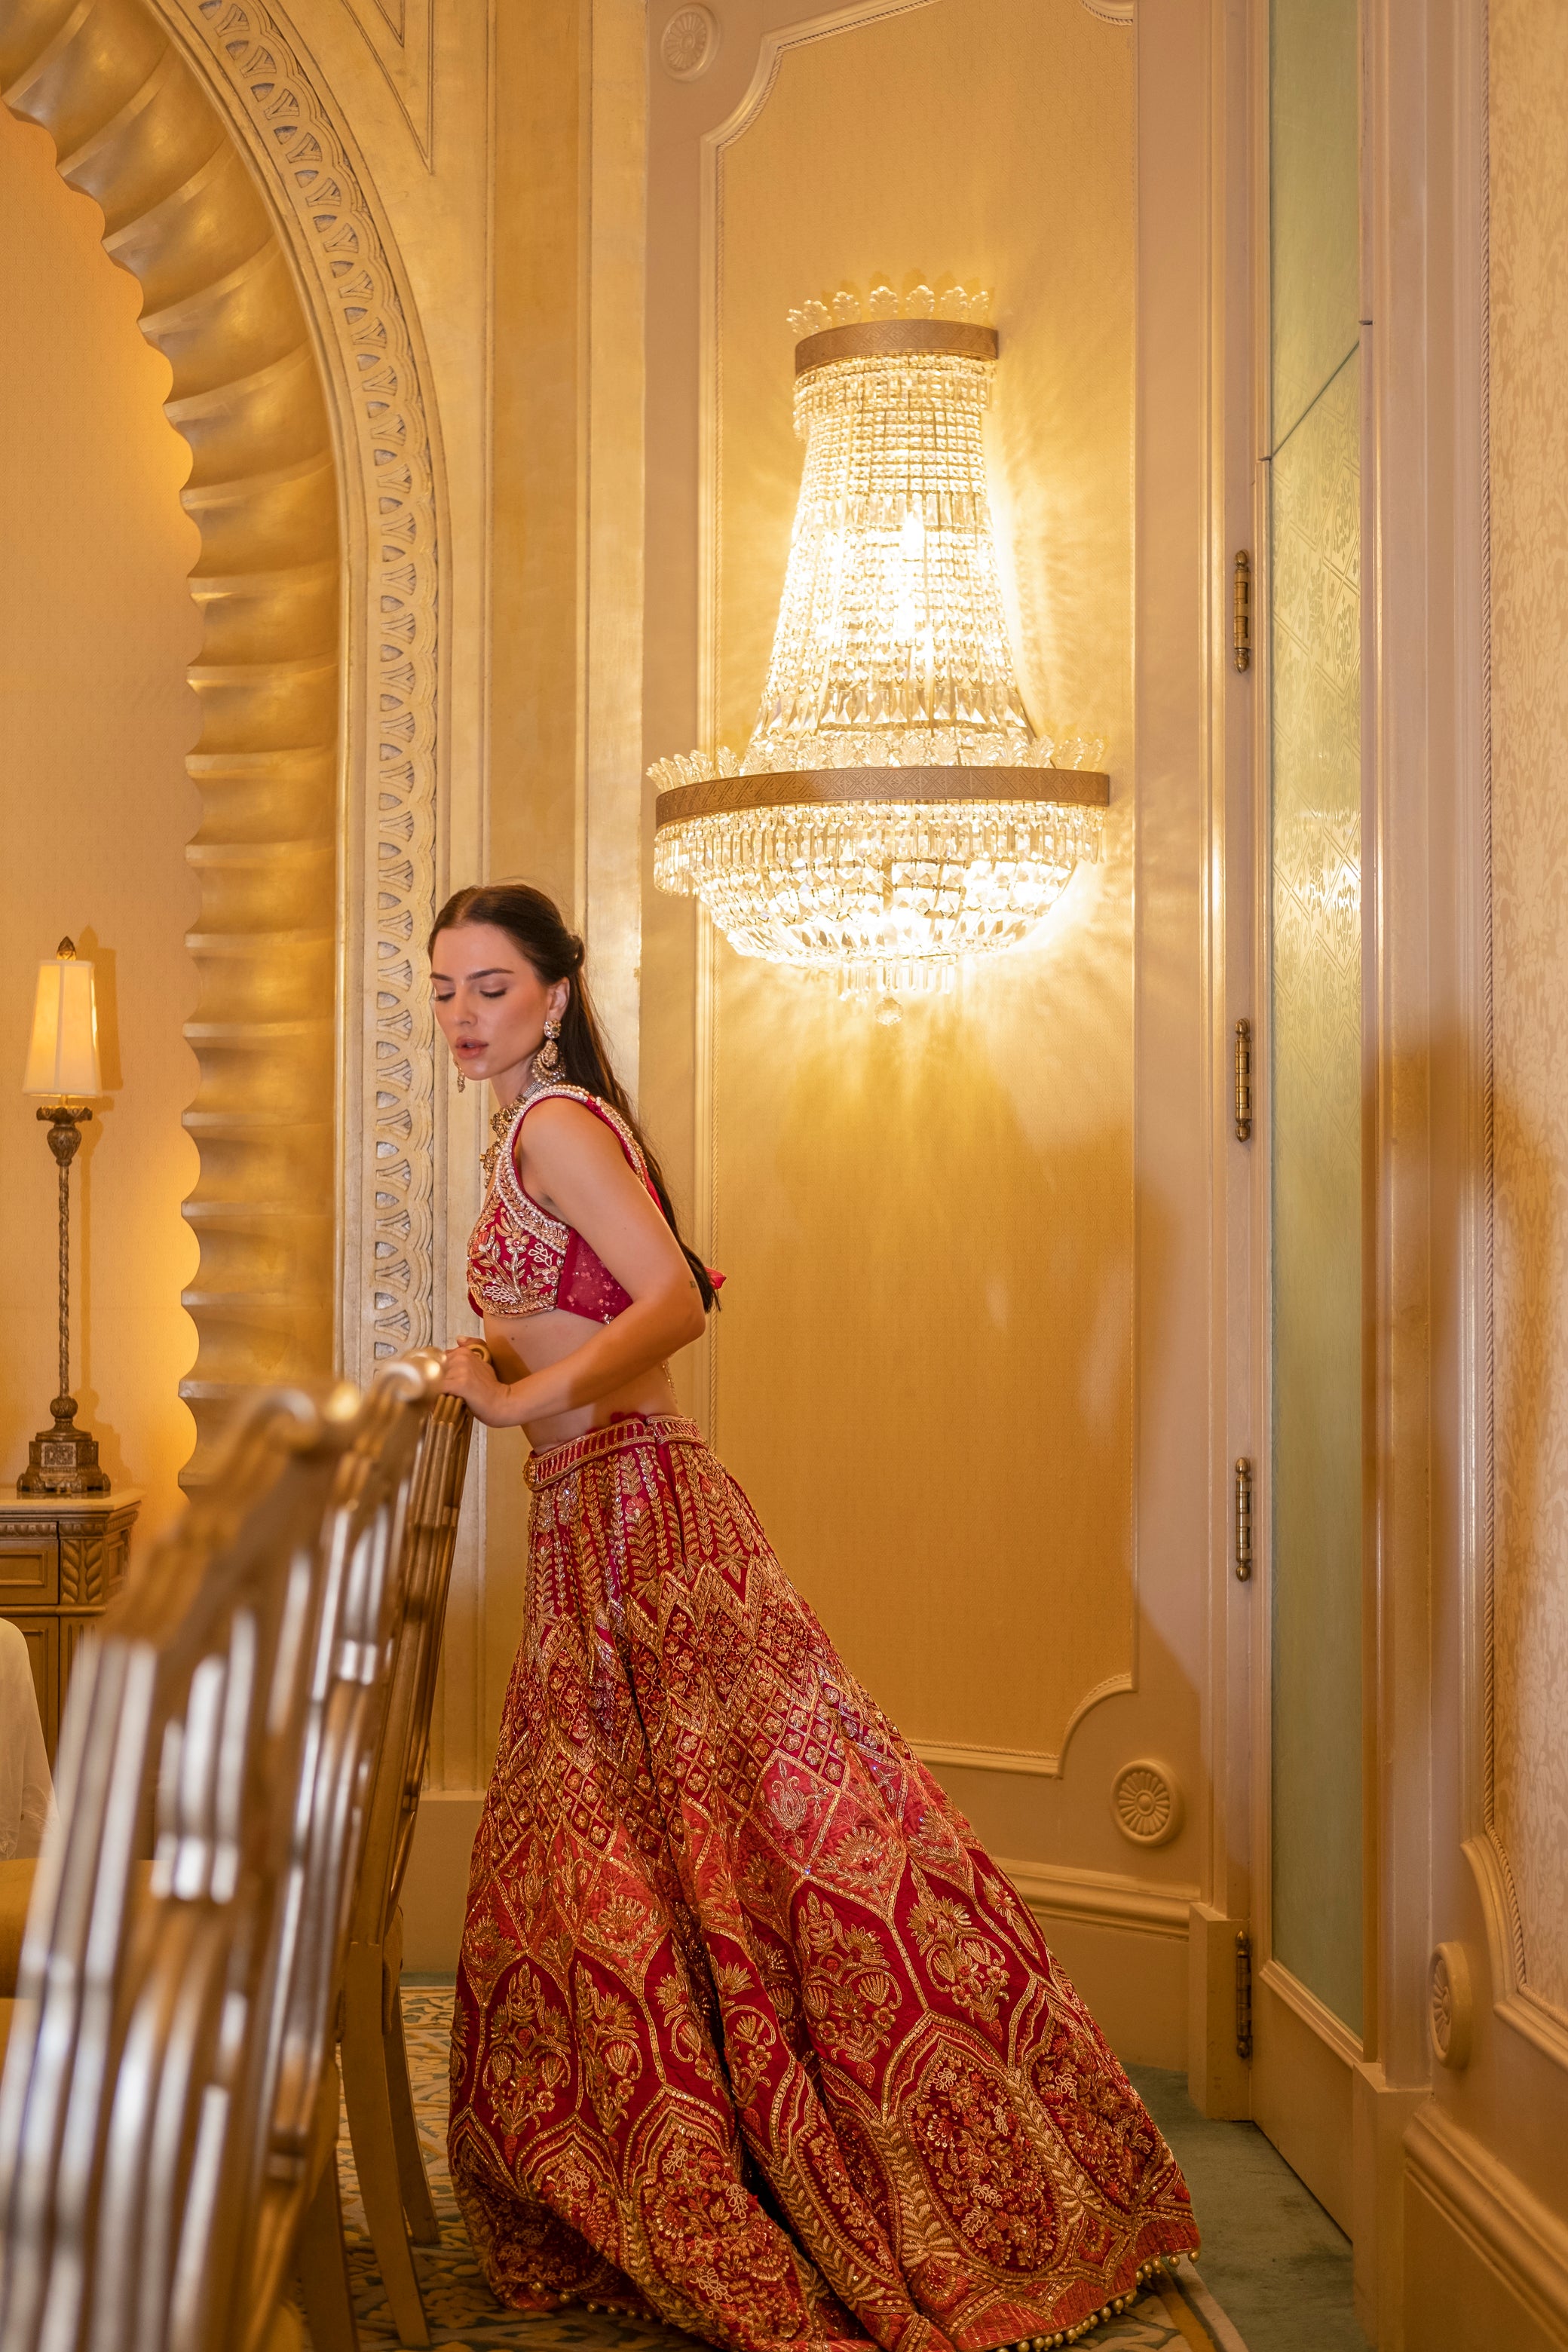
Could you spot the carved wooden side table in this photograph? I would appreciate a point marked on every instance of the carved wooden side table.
(62, 1560)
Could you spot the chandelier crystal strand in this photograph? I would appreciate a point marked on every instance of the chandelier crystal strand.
(868, 845)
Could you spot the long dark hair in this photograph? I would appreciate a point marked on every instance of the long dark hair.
(533, 922)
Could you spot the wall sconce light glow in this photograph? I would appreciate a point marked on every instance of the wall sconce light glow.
(894, 812)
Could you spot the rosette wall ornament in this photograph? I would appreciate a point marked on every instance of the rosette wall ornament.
(894, 813)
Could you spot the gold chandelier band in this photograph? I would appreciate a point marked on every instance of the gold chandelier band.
(896, 339)
(882, 788)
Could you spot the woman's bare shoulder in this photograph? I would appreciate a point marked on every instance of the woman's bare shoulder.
(558, 1128)
(560, 1111)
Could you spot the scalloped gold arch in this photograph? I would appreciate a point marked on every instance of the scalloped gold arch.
(271, 287)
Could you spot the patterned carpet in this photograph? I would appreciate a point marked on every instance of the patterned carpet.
(465, 2316)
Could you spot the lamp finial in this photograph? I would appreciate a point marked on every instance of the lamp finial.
(66, 951)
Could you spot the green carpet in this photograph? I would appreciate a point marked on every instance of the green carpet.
(465, 2316)
(1278, 2266)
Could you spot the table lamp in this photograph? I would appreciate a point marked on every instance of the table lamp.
(62, 1062)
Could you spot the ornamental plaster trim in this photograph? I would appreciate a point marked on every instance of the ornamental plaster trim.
(390, 468)
(690, 43)
(1450, 2006)
(404, 51)
(1146, 1802)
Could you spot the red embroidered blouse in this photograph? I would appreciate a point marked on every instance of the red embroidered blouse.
(521, 1260)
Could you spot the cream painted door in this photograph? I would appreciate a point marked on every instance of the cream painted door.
(963, 1363)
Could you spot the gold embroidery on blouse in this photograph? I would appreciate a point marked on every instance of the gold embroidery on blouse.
(517, 1270)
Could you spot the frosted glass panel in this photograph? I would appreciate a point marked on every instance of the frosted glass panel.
(1314, 200)
(1316, 1096)
(1314, 605)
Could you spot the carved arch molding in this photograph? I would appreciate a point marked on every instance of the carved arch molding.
(233, 195)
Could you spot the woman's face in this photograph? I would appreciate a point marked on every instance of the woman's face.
(490, 1004)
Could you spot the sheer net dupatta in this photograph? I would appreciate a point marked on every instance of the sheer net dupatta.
(168, 2114)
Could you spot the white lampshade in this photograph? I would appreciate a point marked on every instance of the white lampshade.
(62, 1059)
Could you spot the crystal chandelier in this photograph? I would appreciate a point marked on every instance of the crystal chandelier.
(894, 812)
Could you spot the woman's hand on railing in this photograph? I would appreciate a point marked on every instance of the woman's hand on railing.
(470, 1375)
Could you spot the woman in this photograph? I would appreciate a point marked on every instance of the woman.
(750, 2036)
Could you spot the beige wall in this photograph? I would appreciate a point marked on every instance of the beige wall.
(922, 1371)
(96, 628)
(962, 1360)
(1529, 100)
(535, 592)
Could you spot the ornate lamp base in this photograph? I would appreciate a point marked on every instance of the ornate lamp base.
(63, 1460)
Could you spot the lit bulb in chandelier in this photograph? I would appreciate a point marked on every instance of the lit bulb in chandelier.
(894, 812)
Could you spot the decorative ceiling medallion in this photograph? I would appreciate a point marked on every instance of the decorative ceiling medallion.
(1451, 2006)
(894, 813)
(691, 44)
(1147, 1803)
(1112, 12)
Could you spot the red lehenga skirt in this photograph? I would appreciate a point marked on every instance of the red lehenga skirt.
(751, 2036)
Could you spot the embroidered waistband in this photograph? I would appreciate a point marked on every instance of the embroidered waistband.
(617, 1436)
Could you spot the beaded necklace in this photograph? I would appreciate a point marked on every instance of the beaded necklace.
(500, 1120)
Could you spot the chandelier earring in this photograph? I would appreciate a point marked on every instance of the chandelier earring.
(462, 1083)
(547, 1061)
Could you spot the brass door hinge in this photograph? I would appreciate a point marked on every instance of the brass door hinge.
(1243, 1993)
(1244, 1518)
(1244, 1082)
(1242, 625)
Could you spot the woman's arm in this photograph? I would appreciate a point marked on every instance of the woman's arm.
(574, 1166)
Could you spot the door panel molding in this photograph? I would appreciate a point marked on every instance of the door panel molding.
(1302, 2099)
(1513, 1999)
(1312, 2011)
(1038, 1761)
(1512, 2235)
(1101, 1899)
